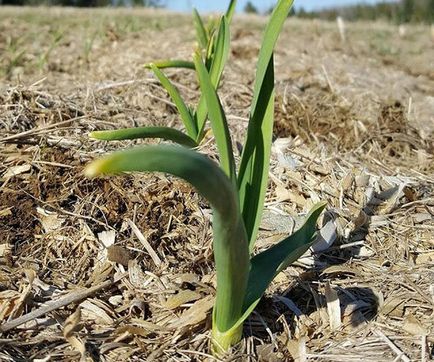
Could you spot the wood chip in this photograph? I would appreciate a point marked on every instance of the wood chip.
(6, 212)
(340, 270)
(107, 238)
(118, 254)
(50, 220)
(393, 306)
(347, 181)
(72, 323)
(136, 276)
(297, 348)
(91, 311)
(71, 297)
(421, 217)
(133, 331)
(183, 297)
(196, 314)
(16, 170)
(414, 327)
(327, 236)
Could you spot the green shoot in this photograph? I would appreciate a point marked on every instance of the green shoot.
(216, 71)
(205, 37)
(214, 45)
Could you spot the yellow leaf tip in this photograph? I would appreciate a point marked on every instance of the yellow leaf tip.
(153, 67)
(93, 169)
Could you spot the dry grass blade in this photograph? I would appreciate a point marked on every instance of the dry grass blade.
(156, 259)
(40, 130)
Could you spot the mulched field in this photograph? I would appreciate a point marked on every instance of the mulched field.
(121, 268)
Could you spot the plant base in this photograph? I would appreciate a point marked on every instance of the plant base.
(221, 342)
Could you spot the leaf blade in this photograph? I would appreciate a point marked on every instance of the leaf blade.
(201, 34)
(253, 172)
(218, 119)
(219, 60)
(271, 34)
(231, 10)
(186, 116)
(266, 265)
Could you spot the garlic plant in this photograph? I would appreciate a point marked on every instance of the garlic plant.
(236, 196)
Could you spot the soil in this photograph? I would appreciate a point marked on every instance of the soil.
(354, 127)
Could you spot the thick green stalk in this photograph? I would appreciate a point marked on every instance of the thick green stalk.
(221, 342)
(255, 160)
(230, 241)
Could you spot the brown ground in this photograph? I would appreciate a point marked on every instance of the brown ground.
(357, 121)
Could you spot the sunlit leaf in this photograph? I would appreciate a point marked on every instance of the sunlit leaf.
(266, 265)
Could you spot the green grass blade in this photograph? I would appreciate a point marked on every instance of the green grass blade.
(201, 33)
(175, 63)
(231, 10)
(218, 119)
(266, 265)
(166, 133)
(186, 116)
(253, 172)
(230, 241)
(219, 60)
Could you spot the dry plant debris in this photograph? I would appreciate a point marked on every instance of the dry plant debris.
(353, 128)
